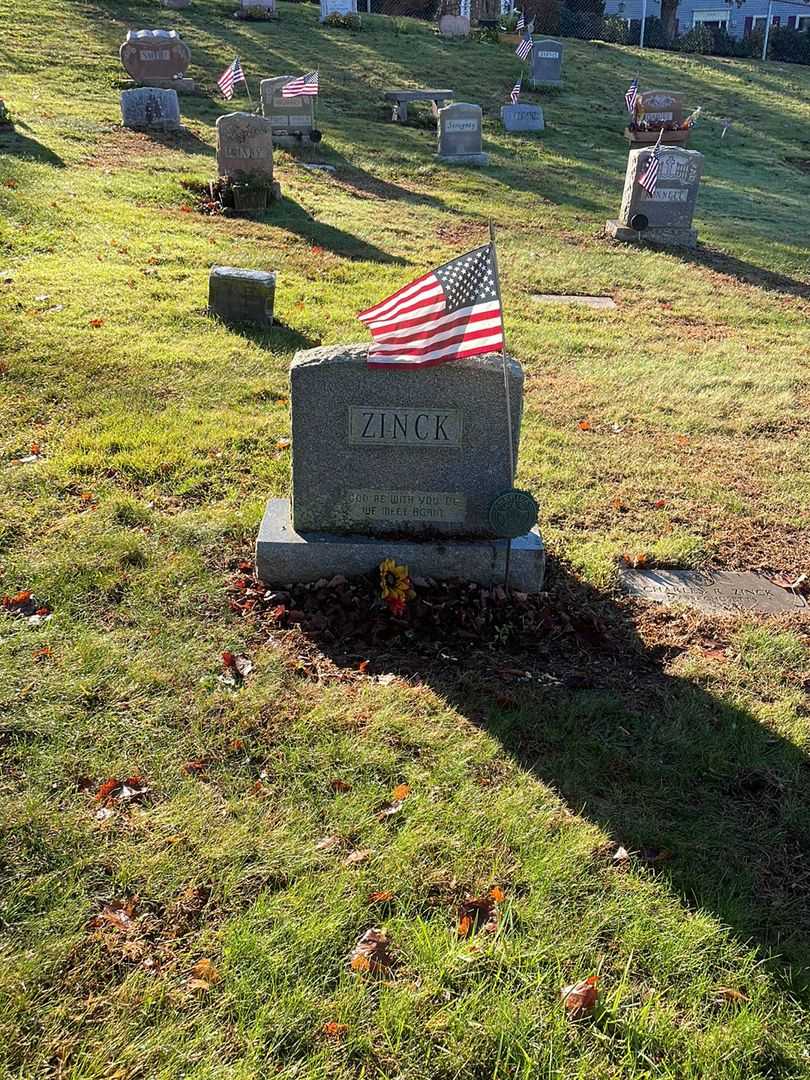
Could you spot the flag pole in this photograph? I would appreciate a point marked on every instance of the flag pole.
(508, 396)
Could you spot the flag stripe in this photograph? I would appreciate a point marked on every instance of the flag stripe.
(387, 304)
(423, 343)
(405, 334)
(493, 344)
(302, 86)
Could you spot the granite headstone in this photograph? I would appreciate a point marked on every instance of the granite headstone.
(454, 26)
(522, 118)
(460, 135)
(242, 296)
(256, 9)
(148, 109)
(292, 119)
(546, 59)
(244, 146)
(665, 217)
(337, 7)
(407, 464)
(155, 54)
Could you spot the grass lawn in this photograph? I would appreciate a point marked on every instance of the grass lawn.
(203, 928)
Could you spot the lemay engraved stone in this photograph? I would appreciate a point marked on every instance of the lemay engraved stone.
(244, 146)
(664, 217)
(460, 135)
(412, 465)
(522, 118)
(422, 451)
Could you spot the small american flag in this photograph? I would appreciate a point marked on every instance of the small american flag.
(230, 78)
(649, 178)
(448, 314)
(631, 97)
(514, 96)
(525, 46)
(304, 86)
(521, 23)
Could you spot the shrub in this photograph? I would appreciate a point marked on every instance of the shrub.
(347, 22)
(655, 34)
(615, 30)
(546, 15)
(699, 39)
(789, 45)
(580, 24)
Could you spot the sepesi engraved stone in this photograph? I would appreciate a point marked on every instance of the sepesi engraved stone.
(154, 54)
(546, 61)
(522, 118)
(244, 146)
(418, 452)
(721, 592)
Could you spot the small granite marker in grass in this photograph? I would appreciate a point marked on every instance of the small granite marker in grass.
(604, 302)
(721, 592)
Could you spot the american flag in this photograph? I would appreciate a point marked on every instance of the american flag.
(631, 97)
(514, 96)
(525, 46)
(304, 86)
(649, 178)
(448, 314)
(230, 77)
(521, 23)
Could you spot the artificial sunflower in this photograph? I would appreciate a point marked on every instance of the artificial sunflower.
(395, 585)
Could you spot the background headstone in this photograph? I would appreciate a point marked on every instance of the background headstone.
(418, 452)
(244, 146)
(241, 296)
(454, 26)
(288, 116)
(149, 109)
(659, 106)
(666, 216)
(177, 5)
(547, 57)
(155, 54)
(337, 7)
(267, 8)
(522, 118)
(460, 135)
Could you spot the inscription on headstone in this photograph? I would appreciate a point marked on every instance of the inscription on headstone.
(454, 26)
(420, 451)
(337, 7)
(244, 146)
(546, 59)
(659, 107)
(154, 54)
(672, 205)
(522, 118)
(722, 591)
(148, 109)
(460, 135)
(286, 114)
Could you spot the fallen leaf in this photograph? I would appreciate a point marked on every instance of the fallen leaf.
(362, 667)
(333, 1030)
(327, 843)
(619, 504)
(96, 323)
(381, 897)
(372, 953)
(401, 791)
(204, 970)
(45, 653)
(107, 788)
(118, 914)
(580, 998)
(584, 425)
(638, 560)
(361, 855)
(479, 913)
(659, 504)
(283, 444)
(338, 785)
(11, 183)
(195, 766)
(497, 894)
(682, 440)
(729, 994)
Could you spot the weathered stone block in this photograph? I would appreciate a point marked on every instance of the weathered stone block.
(522, 118)
(242, 296)
(146, 108)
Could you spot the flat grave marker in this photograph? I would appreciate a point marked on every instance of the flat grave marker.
(716, 592)
(522, 118)
(147, 108)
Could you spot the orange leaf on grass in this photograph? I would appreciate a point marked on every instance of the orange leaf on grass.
(333, 1030)
(580, 998)
(96, 323)
(585, 425)
(205, 971)
(195, 766)
(45, 653)
(372, 953)
(381, 897)
(401, 791)
(362, 667)
(338, 785)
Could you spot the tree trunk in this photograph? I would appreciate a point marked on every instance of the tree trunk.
(669, 16)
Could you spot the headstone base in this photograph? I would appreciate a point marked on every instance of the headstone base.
(290, 140)
(540, 84)
(463, 159)
(181, 85)
(284, 556)
(667, 237)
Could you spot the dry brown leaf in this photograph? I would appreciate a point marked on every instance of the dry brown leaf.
(339, 785)
(380, 897)
(585, 425)
(362, 667)
(638, 560)
(479, 913)
(580, 998)
(327, 843)
(372, 953)
(204, 969)
(401, 791)
(729, 994)
(333, 1030)
(354, 858)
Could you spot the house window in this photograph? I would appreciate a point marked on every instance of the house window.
(803, 22)
(717, 18)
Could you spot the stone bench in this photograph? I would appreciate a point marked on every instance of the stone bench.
(401, 98)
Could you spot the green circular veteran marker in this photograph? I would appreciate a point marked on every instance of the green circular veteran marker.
(513, 513)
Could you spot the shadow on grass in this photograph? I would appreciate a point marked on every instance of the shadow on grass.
(15, 144)
(279, 337)
(745, 272)
(710, 799)
(289, 215)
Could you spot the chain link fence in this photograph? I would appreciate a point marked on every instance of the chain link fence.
(772, 29)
